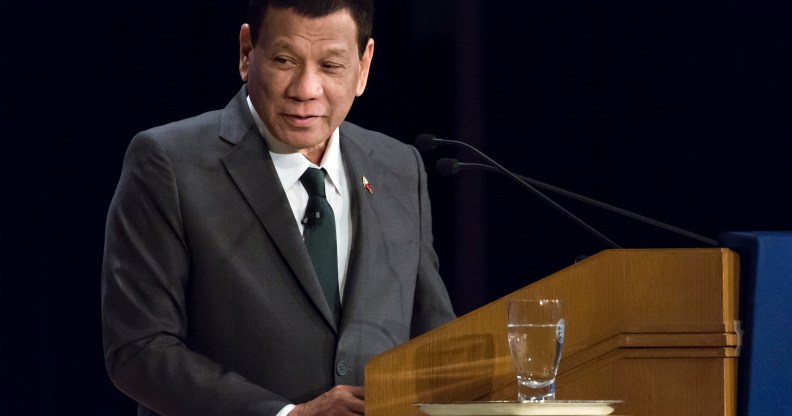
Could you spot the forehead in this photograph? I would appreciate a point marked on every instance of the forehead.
(285, 28)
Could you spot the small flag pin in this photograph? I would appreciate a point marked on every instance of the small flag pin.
(366, 185)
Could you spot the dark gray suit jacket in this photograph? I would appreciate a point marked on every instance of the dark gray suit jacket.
(210, 303)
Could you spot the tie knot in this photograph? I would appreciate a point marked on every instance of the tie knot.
(313, 181)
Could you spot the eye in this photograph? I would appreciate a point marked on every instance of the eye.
(283, 61)
(332, 67)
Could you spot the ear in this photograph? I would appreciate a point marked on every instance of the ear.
(245, 47)
(365, 65)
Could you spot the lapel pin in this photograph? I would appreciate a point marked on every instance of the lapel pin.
(366, 185)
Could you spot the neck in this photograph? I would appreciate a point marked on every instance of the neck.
(314, 154)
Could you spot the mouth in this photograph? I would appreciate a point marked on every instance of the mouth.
(301, 120)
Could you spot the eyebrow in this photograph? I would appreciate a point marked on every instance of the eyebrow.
(332, 51)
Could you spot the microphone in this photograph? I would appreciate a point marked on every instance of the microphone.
(425, 142)
(447, 167)
(429, 142)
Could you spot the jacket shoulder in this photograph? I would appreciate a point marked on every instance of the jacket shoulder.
(376, 141)
(189, 129)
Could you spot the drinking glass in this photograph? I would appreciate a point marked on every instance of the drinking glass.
(536, 335)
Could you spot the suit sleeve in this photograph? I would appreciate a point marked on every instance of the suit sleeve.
(431, 306)
(145, 277)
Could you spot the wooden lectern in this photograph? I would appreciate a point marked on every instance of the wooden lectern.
(655, 328)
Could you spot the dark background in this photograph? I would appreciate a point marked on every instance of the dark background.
(679, 110)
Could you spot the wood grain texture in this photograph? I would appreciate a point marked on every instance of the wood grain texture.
(655, 328)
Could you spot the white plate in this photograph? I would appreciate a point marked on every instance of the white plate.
(549, 407)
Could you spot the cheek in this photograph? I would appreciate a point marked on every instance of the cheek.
(342, 90)
(268, 82)
(340, 100)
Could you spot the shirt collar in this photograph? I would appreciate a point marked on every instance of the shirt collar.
(291, 164)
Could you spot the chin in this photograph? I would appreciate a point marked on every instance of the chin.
(301, 141)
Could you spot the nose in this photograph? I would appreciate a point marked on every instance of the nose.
(305, 85)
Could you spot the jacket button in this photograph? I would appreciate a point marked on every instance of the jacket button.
(341, 368)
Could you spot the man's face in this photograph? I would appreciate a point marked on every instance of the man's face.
(303, 75)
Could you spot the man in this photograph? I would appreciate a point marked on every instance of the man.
(213, 301)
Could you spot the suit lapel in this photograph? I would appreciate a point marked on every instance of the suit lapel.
(368, 238)
(251, 168)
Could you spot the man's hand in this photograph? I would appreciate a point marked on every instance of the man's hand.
(340, 400)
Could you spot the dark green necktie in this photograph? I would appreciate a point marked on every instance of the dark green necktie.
(320, 237)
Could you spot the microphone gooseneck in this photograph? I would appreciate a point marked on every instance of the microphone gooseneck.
(429, 142)
(452, 166)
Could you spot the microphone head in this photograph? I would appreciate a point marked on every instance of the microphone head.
(446, 166)
(424, 142)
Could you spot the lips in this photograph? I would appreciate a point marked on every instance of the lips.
(301, 120)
